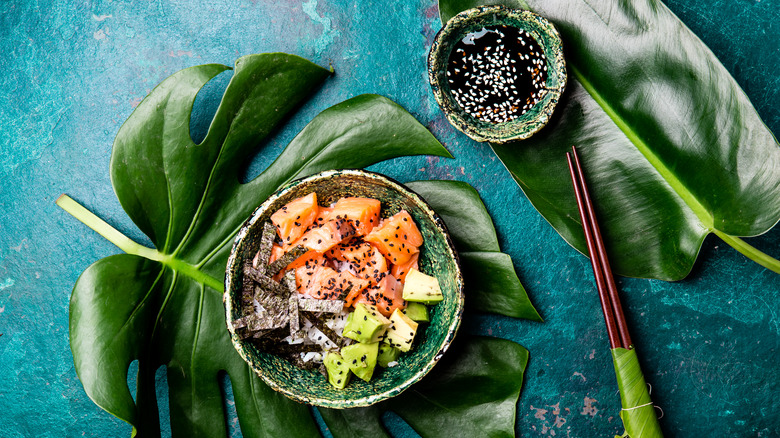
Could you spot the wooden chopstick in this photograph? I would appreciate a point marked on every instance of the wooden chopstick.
(617, 329)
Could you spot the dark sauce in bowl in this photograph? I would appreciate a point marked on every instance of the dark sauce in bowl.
(497, 74)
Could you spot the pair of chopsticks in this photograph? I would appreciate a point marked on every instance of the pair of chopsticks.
(638, 411)
(617, 330)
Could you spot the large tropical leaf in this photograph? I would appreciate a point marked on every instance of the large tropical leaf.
(672, 148)
(163, 306)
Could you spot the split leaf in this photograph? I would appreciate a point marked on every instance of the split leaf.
(671, 146)
(163, 306)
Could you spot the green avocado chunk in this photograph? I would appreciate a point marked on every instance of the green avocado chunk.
(361, 358)
(387, 353)
(366, 324)
(416, 312)
(401, 332)
(338, 370)
(421, 288)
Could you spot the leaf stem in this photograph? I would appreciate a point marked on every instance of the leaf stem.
(749, 251)
(127, 245)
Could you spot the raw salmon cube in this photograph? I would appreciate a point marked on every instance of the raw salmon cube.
(397, 237)
(363, 213)
(293, 219)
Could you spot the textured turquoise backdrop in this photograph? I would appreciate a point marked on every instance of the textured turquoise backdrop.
(73, 71)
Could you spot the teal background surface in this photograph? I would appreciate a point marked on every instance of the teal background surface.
(72, 72)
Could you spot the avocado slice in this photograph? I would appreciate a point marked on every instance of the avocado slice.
(401, 332)
(421, 288)
(416, 312)
(366, 324)
(361, 358)
(338, 370)
(387, 353)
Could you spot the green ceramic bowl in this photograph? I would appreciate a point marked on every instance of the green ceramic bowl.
(474, 20)
(437, 257)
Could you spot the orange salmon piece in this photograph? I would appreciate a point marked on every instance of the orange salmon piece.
(308, 272)
(345, 280)
(365, 261)
(363, 213)
(353, 252)
(318, 221)
(315, 285)
(328, 235)
(387, 295)
(294, 218)
(325, 283)
(400, 271)
(397, 238)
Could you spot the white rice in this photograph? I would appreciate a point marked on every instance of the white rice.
(309, 334)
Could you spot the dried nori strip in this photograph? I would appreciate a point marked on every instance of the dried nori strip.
(286, 259)
(289, 281)
(294, 316)
(265, 281)
(247, 293)
(319, 323)
(326, 306)
(277, 309)
(254, 322)
(260, 261)
(245, 334)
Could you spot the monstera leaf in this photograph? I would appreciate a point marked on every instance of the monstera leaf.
(162, 306)
(671, 146)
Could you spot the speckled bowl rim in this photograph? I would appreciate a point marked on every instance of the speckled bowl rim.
(472, 19)
(452, 327)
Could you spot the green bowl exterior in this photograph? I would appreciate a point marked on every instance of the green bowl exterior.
(437, 257)
(475, 19)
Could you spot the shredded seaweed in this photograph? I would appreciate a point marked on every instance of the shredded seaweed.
(247, 294)
(292, 304)
(265, 281)
(325, 306)
(285, 260)
(275, 306)
(319, 323)
(263, 255)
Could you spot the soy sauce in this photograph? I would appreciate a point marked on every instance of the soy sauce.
(497, 74)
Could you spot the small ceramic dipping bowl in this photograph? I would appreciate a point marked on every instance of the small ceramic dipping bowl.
(487, 76)
(437, 258)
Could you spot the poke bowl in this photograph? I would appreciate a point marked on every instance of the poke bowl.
(299, 375)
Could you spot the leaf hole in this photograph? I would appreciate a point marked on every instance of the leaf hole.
(315, 412)
(205, 105)
(392, 421)
(283, 133)
(163, 406)
(229, 405)
(132, 378)
(160, 384)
